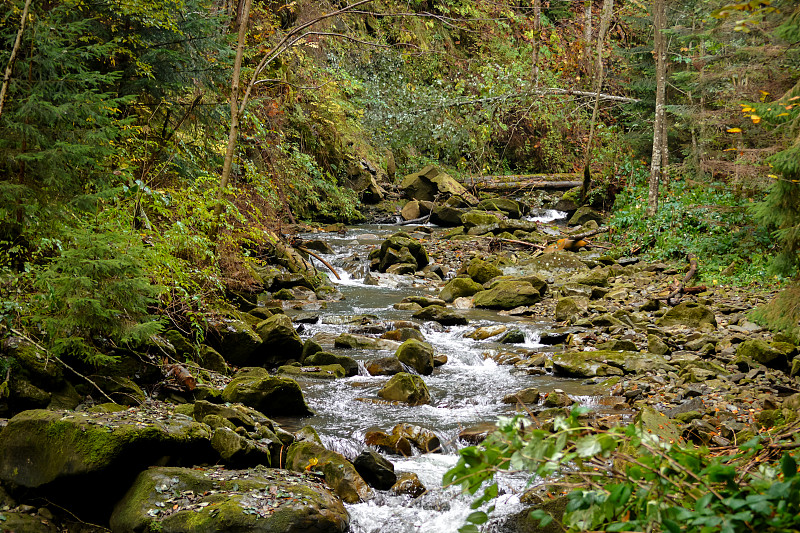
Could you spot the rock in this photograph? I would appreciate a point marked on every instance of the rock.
(349, 364)
(403, 334)
(271, 395)
(339, 473)
(550, 265)
(557, 398)
(597, 277)
(526, 396)
(423, 301)
(415, 209)
(570, 307)
(508, 295)
(416, 354)
(409, 483)
(458, 288)
(446, 216)
(657, 423)
(281, 343)
(375, 469)
(401, 269)
(423, 439)
(235, 340)
(584, 214)
(482, 272)
(507, 206)
(473, 219)
(385, 366)
(485, 332)
(121, 389)
(407, 388)
(590, 364)
(522, 522)
(350, 340)
(618, 345)
(576, 289)
(515, 336)
(761, 352)
(474, 435)
(333, 371)
(210, 359)
(442, 315)
(234, 449)
(259, 500)
(41, 369)
(689, 314)
(399, 248)
(430, 182)
(318, 245)
(238, 414)
(656, 345)
(55, 451)
(390, 443)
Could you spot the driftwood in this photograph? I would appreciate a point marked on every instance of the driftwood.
(526, 181)
(420, 220)
(682, 289)
(321, 260)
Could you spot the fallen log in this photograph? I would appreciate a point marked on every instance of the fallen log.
(529, 181)
(585, 234)
(682, 289)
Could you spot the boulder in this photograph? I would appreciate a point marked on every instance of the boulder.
(333, 371)
(403, 334)
(424, 301)
(235, 340)
(557, 398)
(362, 342)
(570, 307)
(446, 216)
(281, 343)
(549, 265)
(423, 439)
(259, 500)
(458, 288)
(583, 215)
(408, 483)
(763, 353)
(485, 332)
(656, 345)
(271, 395)
(430, 182)
(507, 206)
(385, 366)
(618, 345)
(407, 388)
(689, 314)
(415, 209)
(235, 449)
(390, 443)
(349, 364)
(479, 219)
(482, 272)
(508, 295)
(442, 315)
(597, 277)
(375, 470)
(41, 369)
(397, 249)
(210, 359)
(606, 363)
(526, 396)
(339, 473)
(416, 354)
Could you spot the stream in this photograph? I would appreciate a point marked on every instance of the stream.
(466, 391)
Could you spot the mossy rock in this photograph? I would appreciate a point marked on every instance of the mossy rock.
(332, 371)
(362, 342)
(121, 390)
(235, 339)
(762, 352)
(56, 451)
(442, 315)
(583, 215)
(597, 277)
(211, 359)
(416, 354)
(557, 263)
(481, 271)
(458, 288)
(339, 473)
(508, 295)
(270, 395)
(590, 364)
(407, 388)
(689, 314)
(42, 369)
(570, 307)
(472, 219)
(656, 423)
(446, 216)
(349, 364)
(401, 240)
(507, 206)
(259, 500)
(280, 342)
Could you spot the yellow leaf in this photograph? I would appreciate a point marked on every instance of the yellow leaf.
(773, 176)
(783, 114)
(755, 118)
(729, 150)
(734, 130)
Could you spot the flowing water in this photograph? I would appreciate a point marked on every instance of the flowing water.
(465, 392)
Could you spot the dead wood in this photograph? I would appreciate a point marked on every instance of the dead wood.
(682, 289)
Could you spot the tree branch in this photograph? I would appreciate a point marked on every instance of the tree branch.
(14, 50)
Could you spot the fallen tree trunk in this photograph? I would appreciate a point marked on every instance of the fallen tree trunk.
(530, 181)
(682, 288)
(590, 233)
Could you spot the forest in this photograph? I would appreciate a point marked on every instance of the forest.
(399, 266)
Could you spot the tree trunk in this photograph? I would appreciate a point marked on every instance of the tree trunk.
(14, 50)
(233, 132)
(659, 23)
(587, 36)
(537, 39)
(605, 21)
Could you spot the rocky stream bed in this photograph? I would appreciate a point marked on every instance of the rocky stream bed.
(338, 406)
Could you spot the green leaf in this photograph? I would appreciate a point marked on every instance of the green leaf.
(788, 466)
(588, 446)
(478, 517)
(543, 517)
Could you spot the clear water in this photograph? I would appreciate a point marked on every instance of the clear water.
(466, 391)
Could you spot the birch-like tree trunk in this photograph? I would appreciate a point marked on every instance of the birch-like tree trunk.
(233, 132)
(659, 130)
(587, 35)
(537, 39)
(14, 50)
